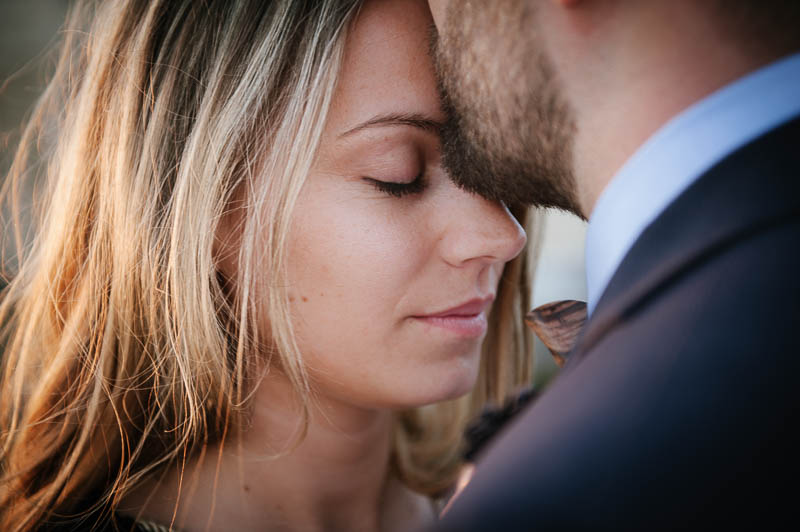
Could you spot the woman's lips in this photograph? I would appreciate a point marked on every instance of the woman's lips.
(468, 319)
(469, 326)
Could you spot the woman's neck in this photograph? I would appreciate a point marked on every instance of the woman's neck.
(337, 478)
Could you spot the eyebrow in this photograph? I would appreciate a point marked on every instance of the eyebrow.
(416, 120)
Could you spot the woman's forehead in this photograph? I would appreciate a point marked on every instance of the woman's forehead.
(387, 65)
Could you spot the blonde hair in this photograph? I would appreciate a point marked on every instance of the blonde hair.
(124, 349)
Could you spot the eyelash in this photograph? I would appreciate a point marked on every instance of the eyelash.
(399, 190)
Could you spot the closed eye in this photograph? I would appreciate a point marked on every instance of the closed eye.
(399, 190)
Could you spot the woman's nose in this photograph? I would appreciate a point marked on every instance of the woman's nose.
(480, 230)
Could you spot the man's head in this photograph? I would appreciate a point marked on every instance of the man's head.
(548, 98)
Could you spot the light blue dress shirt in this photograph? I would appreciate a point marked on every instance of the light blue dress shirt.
(677, 155)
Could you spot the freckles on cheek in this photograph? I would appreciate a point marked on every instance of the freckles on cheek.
(346, 246)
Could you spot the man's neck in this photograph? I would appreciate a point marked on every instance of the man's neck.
(654, 67)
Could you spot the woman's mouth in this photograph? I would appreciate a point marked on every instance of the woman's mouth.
(467, 319)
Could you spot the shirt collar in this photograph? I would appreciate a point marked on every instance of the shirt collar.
(677, 154)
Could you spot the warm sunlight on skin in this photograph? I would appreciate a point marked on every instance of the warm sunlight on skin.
(383, 241)
(392, 270)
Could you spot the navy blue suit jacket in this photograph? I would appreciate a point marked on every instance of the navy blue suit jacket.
(678, 404)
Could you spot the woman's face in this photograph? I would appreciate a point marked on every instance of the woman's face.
(392, 268)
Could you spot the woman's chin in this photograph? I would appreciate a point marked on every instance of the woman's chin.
(445, 385)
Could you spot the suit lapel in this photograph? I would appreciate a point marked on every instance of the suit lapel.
(753, 189)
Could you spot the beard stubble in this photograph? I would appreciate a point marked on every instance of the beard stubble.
(509, 130)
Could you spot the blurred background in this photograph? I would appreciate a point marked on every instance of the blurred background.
(560, 274)
(28, 28)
